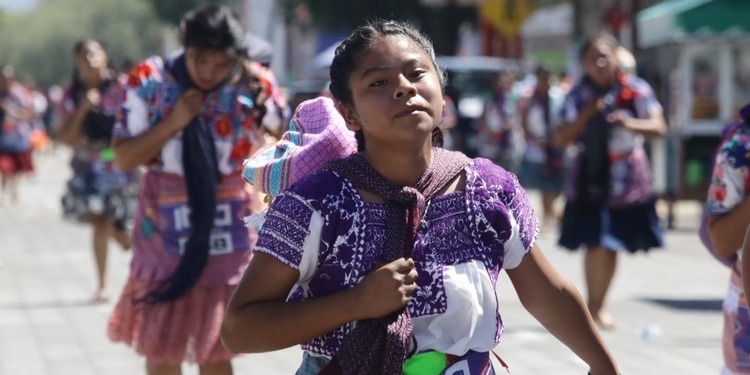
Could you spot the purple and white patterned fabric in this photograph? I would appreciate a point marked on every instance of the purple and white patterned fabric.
(322, 227)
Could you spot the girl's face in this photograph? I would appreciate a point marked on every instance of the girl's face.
(91, 61)
(600, 63)
(208, 68)
(396, 94)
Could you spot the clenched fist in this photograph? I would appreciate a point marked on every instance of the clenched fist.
(386, 289)
(188, 106)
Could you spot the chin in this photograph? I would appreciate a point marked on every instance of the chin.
(204, 86)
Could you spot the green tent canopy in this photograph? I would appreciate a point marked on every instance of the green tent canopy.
(679, 20)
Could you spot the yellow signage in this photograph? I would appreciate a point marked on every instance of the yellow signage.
(506, 16)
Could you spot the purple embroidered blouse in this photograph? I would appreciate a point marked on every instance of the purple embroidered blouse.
(322, 227)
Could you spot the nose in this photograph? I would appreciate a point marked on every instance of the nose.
(205, 74)
(404, 88)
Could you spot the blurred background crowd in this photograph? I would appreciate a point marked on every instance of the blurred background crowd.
(692, 52)
(510, 64)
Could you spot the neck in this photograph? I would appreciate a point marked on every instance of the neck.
(96, 80)
(402, 166)
(605, 83)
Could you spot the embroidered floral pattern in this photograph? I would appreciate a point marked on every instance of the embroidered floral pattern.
(627, 93)
(731, 175)
(152, 96)
(140, 74)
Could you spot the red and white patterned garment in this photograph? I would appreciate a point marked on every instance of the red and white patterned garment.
(188, 328)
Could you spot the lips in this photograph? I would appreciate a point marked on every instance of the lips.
(411, 109)
(203, 84)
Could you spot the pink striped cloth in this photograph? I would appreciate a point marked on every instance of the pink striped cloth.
(317, 134)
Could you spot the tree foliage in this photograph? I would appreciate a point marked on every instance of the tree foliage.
(39, 44)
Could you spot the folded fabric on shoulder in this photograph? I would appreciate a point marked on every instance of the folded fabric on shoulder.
(317, 134)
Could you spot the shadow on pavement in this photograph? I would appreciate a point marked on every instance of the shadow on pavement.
(711, 304)
(686, 229)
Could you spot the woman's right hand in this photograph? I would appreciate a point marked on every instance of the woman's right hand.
(93, 98)
(134, 151)
(187, 107)
(569, 132)
(385, 289)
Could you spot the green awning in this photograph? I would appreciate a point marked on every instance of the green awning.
(680, 20)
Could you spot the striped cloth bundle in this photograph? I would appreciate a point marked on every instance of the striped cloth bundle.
(317, 134)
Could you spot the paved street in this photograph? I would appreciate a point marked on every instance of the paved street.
(667, 303)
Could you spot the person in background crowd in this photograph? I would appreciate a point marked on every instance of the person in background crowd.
(564, 82)
(610, 198)
(497, 128)
(190, 117)
(625, 60)
(16, 126)
(274, 102)
(726, 219)
(39, 105)
(542, 162)
(54, 95)
(98, 192)
(448, 123)
(385, 262)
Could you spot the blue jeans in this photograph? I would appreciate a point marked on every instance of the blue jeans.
(311, 365)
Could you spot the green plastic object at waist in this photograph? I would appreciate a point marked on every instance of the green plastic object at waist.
(107, 154)
(426, 363)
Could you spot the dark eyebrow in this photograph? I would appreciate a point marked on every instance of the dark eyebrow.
(373, 70)
(410, 62)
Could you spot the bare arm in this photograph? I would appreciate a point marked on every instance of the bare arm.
(259, 320)
(525, 121)
(653, 126)
(558, 306)
(727, 230)
(132, 152)
(69, 129)
(12, 111)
